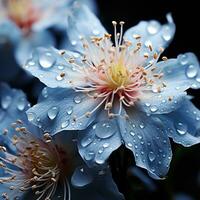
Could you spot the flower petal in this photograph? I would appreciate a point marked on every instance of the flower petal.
(178, 75)
(147, 138)
(98, 141)
(83, 24)
(183, 124)
(152, 34)
(27, 44)
(181, 73)
(102, 187)
(54, 69)
(62, 109)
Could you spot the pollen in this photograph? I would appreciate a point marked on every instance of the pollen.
(38, 165)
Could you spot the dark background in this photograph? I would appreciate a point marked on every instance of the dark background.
(183, 177)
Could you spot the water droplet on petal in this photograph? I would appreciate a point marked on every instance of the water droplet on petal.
(167, 34)
(65, 124)
(45, 93)
(89, 156)
(132, 133)
(105, 129)
(47, 60)
(31, 63)
(31, 116)
(81, 177)
(152, 156)
(181, 128)
(141, 126)
(106, 145)
(99, 160)
(21, 104)
(52, 112)
(59, 78)
(153, 108)
(101, 150)
(153, 27)
(6, 101)
(73, 42)
(69, 110)
(183, 59)
(87, 140)
(60, 67)
(96, 32)
(77, 99)
(191, 71)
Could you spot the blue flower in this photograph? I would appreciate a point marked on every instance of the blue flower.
(24, 23)
(118, 94)
(34, 165)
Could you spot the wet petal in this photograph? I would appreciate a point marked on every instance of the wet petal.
(183, 124)
(83, 24)
(181, 73)
(54, 69)
(101, 188)
(13, 104)
(146, 136)
(98, 141)
(28, 44)
(152, 34)
(62, 109)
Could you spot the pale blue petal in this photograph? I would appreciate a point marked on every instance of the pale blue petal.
(181, 73)
(178, 75)
(102, 188)
(98, 141)
(9, 31)
(49, 65)
(62, 109)
(147, 138)
(83, 24)
(161, 102)
(183, 125)
(27, 44)
(152, 33)
(13, 104)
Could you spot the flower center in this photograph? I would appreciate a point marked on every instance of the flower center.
(38, 165)
(23, 13)
(115, 74)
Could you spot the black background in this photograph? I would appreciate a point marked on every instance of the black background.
(183, 176)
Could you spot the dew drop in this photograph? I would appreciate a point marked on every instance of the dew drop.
(45, 93)
(65, 124)
(59, 78)
(77, 99)
(183, 59)
(167, 34)
(21, 104)
(31, 116)
(81, 177)
(96, 32)
(132, 133)
(52, 112)
(6, 101)
(152, 156)
(141, 126)
(89, 156)
(153, 108)
(69, 110)
(153, 27)
(106, 145)
(105, 129)
(46, 60)
(86, 141)
(191, 71)
(73, 42)
(181, 128)
(31, 63)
